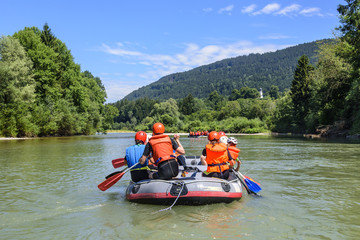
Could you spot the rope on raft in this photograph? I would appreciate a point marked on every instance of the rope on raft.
(169, 208)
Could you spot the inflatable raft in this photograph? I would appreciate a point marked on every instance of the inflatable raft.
(189, 188)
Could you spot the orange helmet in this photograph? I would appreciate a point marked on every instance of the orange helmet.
(141, 135)
(158, 128)
(221, 133)
(213, 135)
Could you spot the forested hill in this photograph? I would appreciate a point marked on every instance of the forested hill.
(254, 71)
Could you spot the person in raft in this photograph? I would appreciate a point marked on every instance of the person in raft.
(216, 157)
(234, 152)
(133, 153)
(162, 148)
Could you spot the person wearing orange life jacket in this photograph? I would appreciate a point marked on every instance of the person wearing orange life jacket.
(216, 157)
(234, 152)
(162, 148)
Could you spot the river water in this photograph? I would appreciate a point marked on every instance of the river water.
(311, 190)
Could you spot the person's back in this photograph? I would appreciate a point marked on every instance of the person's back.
(133, 154)
(215, 156)
(162, 148)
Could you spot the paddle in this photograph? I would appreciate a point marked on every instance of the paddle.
(119, 162)
(112, 174)
(251, 184)
(243, 183)
(105, 185)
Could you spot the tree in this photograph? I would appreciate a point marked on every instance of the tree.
(167, 111)
(332, 83)
(67, 101)
(17, 88)
(283, 116)
(350, 28)
(301, 92)
(246, 92)
(110, 113)
(187, 105)
(45, 64)
(47, 36)
(216, 100)
(274, 92)
(231, 109)
(235, 95)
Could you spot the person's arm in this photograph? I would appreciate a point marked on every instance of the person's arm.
(180, 148)
(238, 164)
(145, 154)
(203, 158)
(142, 160)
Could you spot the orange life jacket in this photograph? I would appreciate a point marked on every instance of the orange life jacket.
(162, 148)
(216, 157)
(234, 152)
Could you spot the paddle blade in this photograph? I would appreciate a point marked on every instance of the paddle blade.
(119, 162)
(112, 174)
(105, 185)
(252, 180)
(252, 185)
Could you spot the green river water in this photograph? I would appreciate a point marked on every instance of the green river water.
(311, 190)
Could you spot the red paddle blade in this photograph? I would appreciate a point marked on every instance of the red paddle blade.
(251, 180)
(119, 162)
(105, 185)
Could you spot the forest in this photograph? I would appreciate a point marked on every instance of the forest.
(43, 92)
(253, 70)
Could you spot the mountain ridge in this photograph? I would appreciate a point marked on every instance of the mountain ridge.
(253, 70)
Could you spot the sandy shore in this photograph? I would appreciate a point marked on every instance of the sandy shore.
(7, 138)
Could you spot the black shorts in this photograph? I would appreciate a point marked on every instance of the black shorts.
(167, 170)
(138, 175)
(225, 174)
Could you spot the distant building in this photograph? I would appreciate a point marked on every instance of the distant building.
(261, 93)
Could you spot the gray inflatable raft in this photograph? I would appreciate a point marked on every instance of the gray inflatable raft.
(189, 188)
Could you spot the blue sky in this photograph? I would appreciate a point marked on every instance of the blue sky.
(130, 44)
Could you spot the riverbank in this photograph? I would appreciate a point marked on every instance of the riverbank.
(11, 138)
(309, 136)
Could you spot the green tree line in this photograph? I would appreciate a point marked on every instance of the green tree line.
(43, 92)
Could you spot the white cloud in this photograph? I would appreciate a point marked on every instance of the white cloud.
(227, 9)
(207, 9)
(311, 12)
(119, 51)
(270, 8)
(249, 9)
(289, 9)
(117, 89)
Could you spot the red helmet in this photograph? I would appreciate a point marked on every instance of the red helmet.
(221, 133)
(158, 128)
(213, 135)
(141, 135)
